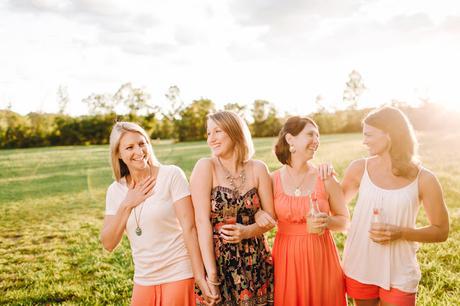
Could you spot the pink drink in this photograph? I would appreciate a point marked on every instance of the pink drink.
(229, 214)
(313, 211)
(376, 216)
(230, 220)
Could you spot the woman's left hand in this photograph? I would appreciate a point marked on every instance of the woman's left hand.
(321, 221)
(264, 220)
(383, 233)
(233, 233)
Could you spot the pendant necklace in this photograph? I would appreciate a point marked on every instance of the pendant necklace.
(138, 228)
(232, 180)
(297, 190)
(138, 219)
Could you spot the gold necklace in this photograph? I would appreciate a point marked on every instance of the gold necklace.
(236, 188)
(297, 190)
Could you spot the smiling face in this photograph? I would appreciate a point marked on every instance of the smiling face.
(134, 151)
(306, 143)
(218, 141)
(376, 141)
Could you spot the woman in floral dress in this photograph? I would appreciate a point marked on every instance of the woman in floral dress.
(236, 255)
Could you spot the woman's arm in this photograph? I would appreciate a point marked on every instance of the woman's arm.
(435, 209)
(339, 220)
(200, 187)
(114, 226)
(184, 212)
(352, 179)
(430, 193)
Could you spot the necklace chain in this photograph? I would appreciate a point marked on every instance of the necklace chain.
(297, 190)
(232, 180)
(138, 219)
(138, 228)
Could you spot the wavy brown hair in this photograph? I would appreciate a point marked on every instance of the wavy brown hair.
(294, 125)
(403, 143)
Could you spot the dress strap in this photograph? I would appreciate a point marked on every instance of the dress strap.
(417, 179)
(254, 181)
(319, 187)
(214, 175)
(277, 182)
(420, 168)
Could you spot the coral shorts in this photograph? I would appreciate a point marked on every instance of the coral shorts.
(180, 293)
(360, 291)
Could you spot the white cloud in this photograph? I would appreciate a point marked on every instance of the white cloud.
(282, 51)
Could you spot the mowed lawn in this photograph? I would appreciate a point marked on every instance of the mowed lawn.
(52, 206)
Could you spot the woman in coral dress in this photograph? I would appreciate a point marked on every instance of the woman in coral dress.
(307, 265)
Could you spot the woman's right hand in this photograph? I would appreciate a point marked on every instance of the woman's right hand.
(139, 192)
(326, 171)
(208, 296)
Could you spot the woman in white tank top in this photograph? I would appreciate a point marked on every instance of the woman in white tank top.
(379, 259)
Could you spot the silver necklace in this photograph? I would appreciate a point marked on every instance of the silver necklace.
(138, 220)
(138, 228)
(297, 190)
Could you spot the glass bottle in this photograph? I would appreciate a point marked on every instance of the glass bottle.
(312, 212)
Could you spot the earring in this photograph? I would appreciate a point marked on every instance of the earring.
(291, 149)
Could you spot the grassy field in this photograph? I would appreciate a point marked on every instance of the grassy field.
(52, 207)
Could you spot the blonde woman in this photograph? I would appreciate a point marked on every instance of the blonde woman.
(227, 191)
(151, 203)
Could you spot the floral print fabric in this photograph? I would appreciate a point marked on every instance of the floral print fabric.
(245, 269)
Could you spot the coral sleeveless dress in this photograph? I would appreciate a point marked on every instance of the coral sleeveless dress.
(307, 266)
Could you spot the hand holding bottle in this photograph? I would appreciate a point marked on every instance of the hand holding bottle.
(316, 220)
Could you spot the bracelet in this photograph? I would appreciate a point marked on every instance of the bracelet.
(211, 282)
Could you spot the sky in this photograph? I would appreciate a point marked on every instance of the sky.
(286, 52)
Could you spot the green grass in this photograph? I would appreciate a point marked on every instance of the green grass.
(52, 206)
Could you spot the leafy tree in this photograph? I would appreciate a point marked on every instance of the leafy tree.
(176, 104)
(319, 104)
(353, 89)
(193, 123)
(237, 108)
(62, 98)
(266, 122)
(172, 115)
(100, 103)
(135, 100)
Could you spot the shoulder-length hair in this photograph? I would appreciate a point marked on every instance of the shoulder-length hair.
(119, 168)
(238, 131)
(294, 125)
(403, 143)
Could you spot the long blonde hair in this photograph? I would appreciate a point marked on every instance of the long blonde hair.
(238, 131)
(119, 168)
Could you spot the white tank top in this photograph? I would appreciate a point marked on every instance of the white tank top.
(388, 266)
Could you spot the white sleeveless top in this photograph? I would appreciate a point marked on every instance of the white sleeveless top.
(388, 266)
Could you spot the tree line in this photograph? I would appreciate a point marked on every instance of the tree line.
(182, 122)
